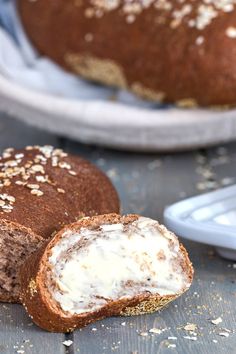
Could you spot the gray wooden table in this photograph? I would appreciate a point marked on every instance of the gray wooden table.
(146, 184)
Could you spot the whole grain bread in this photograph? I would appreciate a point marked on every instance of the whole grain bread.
(46, 296)
(163, 50)
(42, 189)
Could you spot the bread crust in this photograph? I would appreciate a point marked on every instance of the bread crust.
(48, 314)
(40, 195)
(167, 51)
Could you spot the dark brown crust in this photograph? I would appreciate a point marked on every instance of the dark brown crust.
(88, 192)
(154, 57)
(48, 315)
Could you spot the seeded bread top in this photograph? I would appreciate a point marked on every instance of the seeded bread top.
(180, 51)
(45, 188)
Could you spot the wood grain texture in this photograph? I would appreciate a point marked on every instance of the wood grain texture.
(146, 183)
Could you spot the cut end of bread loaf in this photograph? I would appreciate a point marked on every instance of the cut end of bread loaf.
(16, 243)
(41, 190)
(105, 266)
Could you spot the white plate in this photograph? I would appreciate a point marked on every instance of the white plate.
(208, 218)
(32, 89)
(117, 125)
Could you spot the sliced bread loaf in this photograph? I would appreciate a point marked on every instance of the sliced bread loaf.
(104, 266)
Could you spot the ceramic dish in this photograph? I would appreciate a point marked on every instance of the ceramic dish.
(209, 218)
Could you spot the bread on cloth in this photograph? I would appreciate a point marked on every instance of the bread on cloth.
(163, 50)
(104, 266)
(41, 190)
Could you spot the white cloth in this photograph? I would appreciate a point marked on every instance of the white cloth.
(20, 62)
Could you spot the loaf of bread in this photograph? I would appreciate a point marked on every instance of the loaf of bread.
(104, 266)
(42, 189)
(163, 50)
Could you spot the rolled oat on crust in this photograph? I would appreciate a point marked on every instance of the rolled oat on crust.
(41, 190)
(103, 266)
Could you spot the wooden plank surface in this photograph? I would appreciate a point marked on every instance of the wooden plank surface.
(146, 184)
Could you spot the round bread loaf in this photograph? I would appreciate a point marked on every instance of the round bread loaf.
(104, 266)
(43, 189)
(164, 50)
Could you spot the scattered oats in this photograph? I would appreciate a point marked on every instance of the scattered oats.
(190, 338)
(64, 165)
(67, 343)
(123, 323)
(36, 192)
(20, 351)
(226, 330)
(6, 155)
(112, 173)
(7, 183)
(11, 199)
(143, 334)
(214, 341)
(199, 40)
(37, 168)
(41, 179)
(190, 327)
(32, 186)
(171, 345)
(19, 156)
(155, 330)
(41, 158)
(231, 32)
(29, 148)
(73, 173)
(94, 329)
(172, 338)
(11, 163)
(60, 190)
(227, 180)
(224, 334)
(216, 321)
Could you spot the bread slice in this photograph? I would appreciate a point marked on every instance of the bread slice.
(41, 190)
(104, 266)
